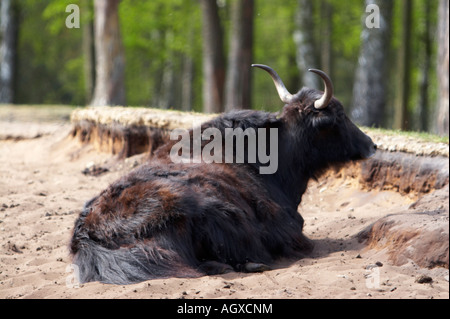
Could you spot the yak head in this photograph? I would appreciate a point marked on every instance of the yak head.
(316, 124)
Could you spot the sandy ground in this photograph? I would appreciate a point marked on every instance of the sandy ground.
(42, 190)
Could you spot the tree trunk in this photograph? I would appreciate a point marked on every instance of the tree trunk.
(238, 84)
(402, 116)
(167, 94)
(326, 31)
(307, 56)
(369, 89)
(110, 59)
(8, 36)
(442, 122)
(88, 50)
(425, 71)
(213, 58)
(187, 87)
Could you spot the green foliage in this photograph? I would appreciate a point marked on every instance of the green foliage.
(274, 45)
(54, 13)
(155, 33)
(347, 27)
(160, 34)
(50, 65)
(418, 56)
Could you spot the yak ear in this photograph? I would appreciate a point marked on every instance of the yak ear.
(322, 120)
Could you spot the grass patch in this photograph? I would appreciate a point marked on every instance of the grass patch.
(423, 136)
(35, 113)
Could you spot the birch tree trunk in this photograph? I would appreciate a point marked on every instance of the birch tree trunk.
(369, 89)
(110, 59)
(8, 36)
(307, 55)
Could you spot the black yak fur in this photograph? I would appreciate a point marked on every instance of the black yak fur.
(189, 220)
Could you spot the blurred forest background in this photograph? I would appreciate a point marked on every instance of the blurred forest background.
(196, 55)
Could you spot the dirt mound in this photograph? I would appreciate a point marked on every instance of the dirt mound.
(420, 234)
(404, 173)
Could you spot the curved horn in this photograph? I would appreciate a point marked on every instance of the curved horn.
(328, 93)
(284, 94)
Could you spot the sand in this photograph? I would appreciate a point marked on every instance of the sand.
(42, 189)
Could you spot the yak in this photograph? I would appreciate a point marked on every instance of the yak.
(167, 219)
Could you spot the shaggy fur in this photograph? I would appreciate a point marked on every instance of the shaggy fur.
(188, 220)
